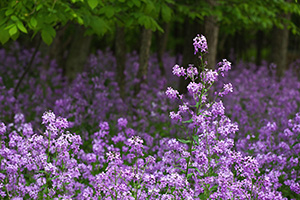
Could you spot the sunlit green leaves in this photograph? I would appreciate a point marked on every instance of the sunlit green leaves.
(148, 22)
(33, 17)
(137, 2)
(33, 22)
(108, 11)
(13, 30)
(98, 25)
(93, 3)
(166, 13)
(184, 141)
(21, 27)
(9, 12)
(48, 33)
(4, 35)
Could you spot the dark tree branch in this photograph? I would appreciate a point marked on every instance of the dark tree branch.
(28, 67)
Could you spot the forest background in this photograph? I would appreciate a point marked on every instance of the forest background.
(70, 30)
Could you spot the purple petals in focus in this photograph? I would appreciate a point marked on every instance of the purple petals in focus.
(200, 44)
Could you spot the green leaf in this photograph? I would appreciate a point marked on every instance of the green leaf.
(80, 20)
(46, 37)
(9, 26)
(109, 11)
(93, 3)
(166, 13)
(33, 22)
(54, 177)
(15, 36)
(137, 2)
(3, 20)
(196, 139)
(13, 30)
(4, 35)
(21, 27)
(14, 18)
(184, 141)
(180, 169)
(9, 12)
(179, 159)
(188, 121)
(189, 175)
(192, 167)
(50, 30)
(39, 7)
(150, 7)
(98, 26)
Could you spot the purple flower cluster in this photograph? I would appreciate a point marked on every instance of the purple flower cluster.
(254, 154)
(268, 114)
(178, 71)
(200, 44)
(48, 158)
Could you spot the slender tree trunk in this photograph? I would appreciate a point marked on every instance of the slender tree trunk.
(78, 53)
(259, 46)
(143, 58)
(211, 33)
(120, 49)
(279, 48)
(162, 43)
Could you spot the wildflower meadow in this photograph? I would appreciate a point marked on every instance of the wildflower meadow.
(235, 134)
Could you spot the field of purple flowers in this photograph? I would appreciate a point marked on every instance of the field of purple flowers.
(234, 135)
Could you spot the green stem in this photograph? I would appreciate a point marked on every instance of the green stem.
(143, 175)
(136, 172)
(190, 151)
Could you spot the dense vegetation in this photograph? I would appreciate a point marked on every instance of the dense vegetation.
(82, 141)
(109, 99)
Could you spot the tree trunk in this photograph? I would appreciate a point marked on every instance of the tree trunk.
(59, 46)
(162, 43)
(120, 49)
(211, 33)
(143, 58)
(279, 48)
(78, 53)
(259, 46)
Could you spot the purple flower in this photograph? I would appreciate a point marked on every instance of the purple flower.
(209, 76)
(178, 71)
(200, 44)
(113, 155)
(61, 123)
(224, 66)
(2, 128)
(226, 89)
(171, 93)
(104, 126)
(194, 88)
(19, 118)
(192, 71)
(183, 108)
(295, 187)
(175, 116)
(122, 123)
(48, 117)
(218, 109)
(136, 144)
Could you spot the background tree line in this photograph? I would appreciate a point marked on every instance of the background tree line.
(69, 30)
